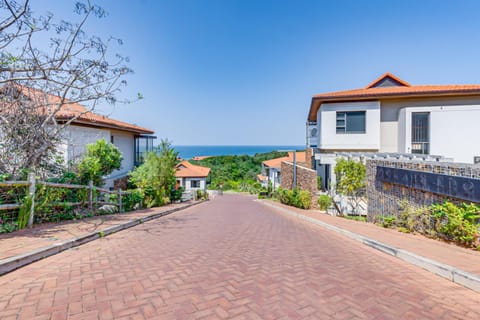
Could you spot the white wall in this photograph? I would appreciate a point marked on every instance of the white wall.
(186, 183)
(454, 131)
(328, 137)
(77, 137)
(125, 142)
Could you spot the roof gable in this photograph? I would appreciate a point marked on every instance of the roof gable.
(388, 80)
(185, 169)
(402, 90)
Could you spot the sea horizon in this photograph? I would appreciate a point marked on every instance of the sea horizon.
(190, 151)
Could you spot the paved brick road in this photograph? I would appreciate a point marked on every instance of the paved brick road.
(230, 258)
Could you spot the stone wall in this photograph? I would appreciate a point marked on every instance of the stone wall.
(384, 198)
(306, 180)
(310, 162)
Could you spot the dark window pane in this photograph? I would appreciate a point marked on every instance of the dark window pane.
(356, 121)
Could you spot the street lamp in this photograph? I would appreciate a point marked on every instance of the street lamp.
(294, 166)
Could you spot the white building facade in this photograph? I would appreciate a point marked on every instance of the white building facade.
(392, 116)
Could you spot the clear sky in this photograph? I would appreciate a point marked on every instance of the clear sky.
(242, 72)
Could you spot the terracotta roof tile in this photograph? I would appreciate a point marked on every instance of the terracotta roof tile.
(277, 162)
(261, 177)
(70, 110)
(391, 92)
(185, 169)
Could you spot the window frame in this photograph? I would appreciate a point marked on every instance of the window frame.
(197, 181)
(341, 122)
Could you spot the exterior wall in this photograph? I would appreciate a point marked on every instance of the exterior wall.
(274, 177)
(452, 126)
(451, 131)
(125, 142)
(306, 180)
(187, 183)
(384, 198)
(77, 137)
(330, 140)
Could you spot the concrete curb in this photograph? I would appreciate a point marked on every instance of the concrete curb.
(10, 264)
(463, 278)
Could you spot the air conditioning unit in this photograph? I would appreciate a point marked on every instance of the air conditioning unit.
(476, 159)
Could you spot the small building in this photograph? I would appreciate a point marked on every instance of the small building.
(392, 116)
(271, 169)
(133, 141)
(263, 180)
(86, 127)
(191, 177)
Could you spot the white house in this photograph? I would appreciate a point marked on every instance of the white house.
(392, 116)
(132, 140)
(271, 169)
(191, 177)
(87, 127)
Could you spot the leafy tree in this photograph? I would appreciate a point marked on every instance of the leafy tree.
(47, 65)
(237, 172)
(351, 179)
(101, 159)
(157, 174)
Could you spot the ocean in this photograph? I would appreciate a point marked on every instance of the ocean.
(188, 152)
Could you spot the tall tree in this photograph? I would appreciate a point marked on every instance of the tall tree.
(44, 83)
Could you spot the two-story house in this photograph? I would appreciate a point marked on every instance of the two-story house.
(392, 116)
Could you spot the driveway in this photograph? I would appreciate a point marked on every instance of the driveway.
(231, 258)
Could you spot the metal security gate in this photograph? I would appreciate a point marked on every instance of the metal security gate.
(421, 132)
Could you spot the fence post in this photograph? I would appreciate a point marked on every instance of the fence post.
(31, 194)
(90, 196)
(120, 208)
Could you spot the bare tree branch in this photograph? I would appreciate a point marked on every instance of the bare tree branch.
(44, 83)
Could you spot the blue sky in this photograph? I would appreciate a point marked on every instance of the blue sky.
(242, 72)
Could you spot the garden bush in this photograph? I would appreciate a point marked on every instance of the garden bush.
(457, 223)
(296, 198)
(324, 202)
(133, 200)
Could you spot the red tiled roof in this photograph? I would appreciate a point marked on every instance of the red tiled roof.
(261, 177)
(277, 162)
(70, 110)
(185, 169)
(403, 90)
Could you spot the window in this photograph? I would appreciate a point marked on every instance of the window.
(111, 139)
(351, 122)
(195, 183)
(420, 132)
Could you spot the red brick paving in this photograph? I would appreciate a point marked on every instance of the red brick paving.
(447, 253)
(232, 258)
(47, 234)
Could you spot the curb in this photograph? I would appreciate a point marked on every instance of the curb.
(463, 278)
(12, 263)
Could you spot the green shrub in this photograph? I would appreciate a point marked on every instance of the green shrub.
(324, 202)
(24, 212)
(101, 159)
(356, 218)
(388, 221)
(132, 200)
(457, 223)
(296, 198)
(319, 183)
(304, 199)
(6, 227)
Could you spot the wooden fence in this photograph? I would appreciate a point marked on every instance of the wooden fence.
(32, 184)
